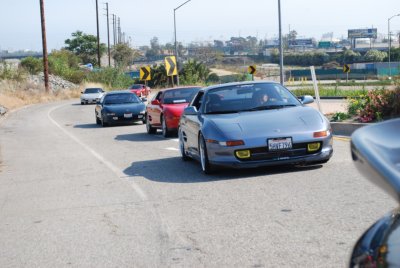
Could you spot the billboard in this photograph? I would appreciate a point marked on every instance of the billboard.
(301, 43)
(363, 33)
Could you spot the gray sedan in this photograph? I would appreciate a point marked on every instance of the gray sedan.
(253, 124)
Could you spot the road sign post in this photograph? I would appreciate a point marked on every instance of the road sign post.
(170, 67)
(145, 73)
(252, 70)
(346, 69)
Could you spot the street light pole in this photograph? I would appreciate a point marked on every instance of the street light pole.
(390, 43)
(98, 34)
(280, 44)
(176, 48)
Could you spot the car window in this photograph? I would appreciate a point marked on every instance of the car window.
(197, 101)
(93, 90)
(245, 97)
(121, 98)
(176, 96)
(136, 87)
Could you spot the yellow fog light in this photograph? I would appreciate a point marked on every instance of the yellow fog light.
(243, 154)
(312, 147)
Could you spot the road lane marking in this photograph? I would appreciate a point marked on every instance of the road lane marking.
(111, 166)
(341, 138)
(171, 149)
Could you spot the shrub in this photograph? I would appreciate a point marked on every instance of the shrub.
(376, 105)
(32, 65)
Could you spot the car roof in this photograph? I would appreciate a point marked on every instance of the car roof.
(180, 87)
(118, 92)
(238, 84)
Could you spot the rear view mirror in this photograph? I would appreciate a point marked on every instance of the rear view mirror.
(307, 99)
(191, 110)
(376, 153)
(155, 102)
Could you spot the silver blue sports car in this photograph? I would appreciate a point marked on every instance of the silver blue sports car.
(253, 124)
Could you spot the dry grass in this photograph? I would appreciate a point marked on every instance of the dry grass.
(14, 94)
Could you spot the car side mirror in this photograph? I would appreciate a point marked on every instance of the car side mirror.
(375, 150)
(191, 110)
(155, 102)
(143, 99)
(307, 99)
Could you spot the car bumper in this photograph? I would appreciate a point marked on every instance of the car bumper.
(87, 100)
(122, 119)
(232, 162)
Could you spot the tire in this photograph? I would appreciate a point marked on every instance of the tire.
(98, 121)
(182, 150)
(149, 128)
(103, 124)
(82, 103)
(166, 133)
(205, 164)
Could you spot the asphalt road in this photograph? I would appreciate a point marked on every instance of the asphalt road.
(73, 194)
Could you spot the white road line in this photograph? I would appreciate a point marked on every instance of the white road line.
(172, 149)
(111, 166)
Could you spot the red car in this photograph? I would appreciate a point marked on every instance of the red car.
(140, 90)
(166, 108)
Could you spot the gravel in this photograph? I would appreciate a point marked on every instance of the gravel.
(56, 82)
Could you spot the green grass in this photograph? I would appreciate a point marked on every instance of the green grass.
(327, 92)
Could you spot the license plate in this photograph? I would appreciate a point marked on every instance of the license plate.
(115, 117)
(279, 144)
(140, 116)
(127, 115)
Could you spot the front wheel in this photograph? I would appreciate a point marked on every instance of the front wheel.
(205, 164)
(103, 123)
(149, 128)
(165, 131)
(184, 156)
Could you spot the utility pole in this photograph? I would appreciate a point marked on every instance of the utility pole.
(44, 42)
(119, 30)
(98, 34)
(108, 38)
(114, 36)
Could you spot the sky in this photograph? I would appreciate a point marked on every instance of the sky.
(198, 20)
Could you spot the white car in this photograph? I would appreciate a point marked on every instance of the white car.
(91, 95)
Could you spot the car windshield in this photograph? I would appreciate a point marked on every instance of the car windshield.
(183, 95)
(121, 98)
(93, 90)
(248, 97)
(136, 86)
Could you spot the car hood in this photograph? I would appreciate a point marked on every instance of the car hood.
(125, 108)
(268, 123)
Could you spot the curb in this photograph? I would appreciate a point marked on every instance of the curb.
(346, 129)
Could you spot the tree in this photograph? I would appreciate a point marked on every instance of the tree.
(374, 55)
(85, 47)
(122, 54)
(155, 48)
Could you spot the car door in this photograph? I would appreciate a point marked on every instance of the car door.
(193, 124)
(154, 110)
